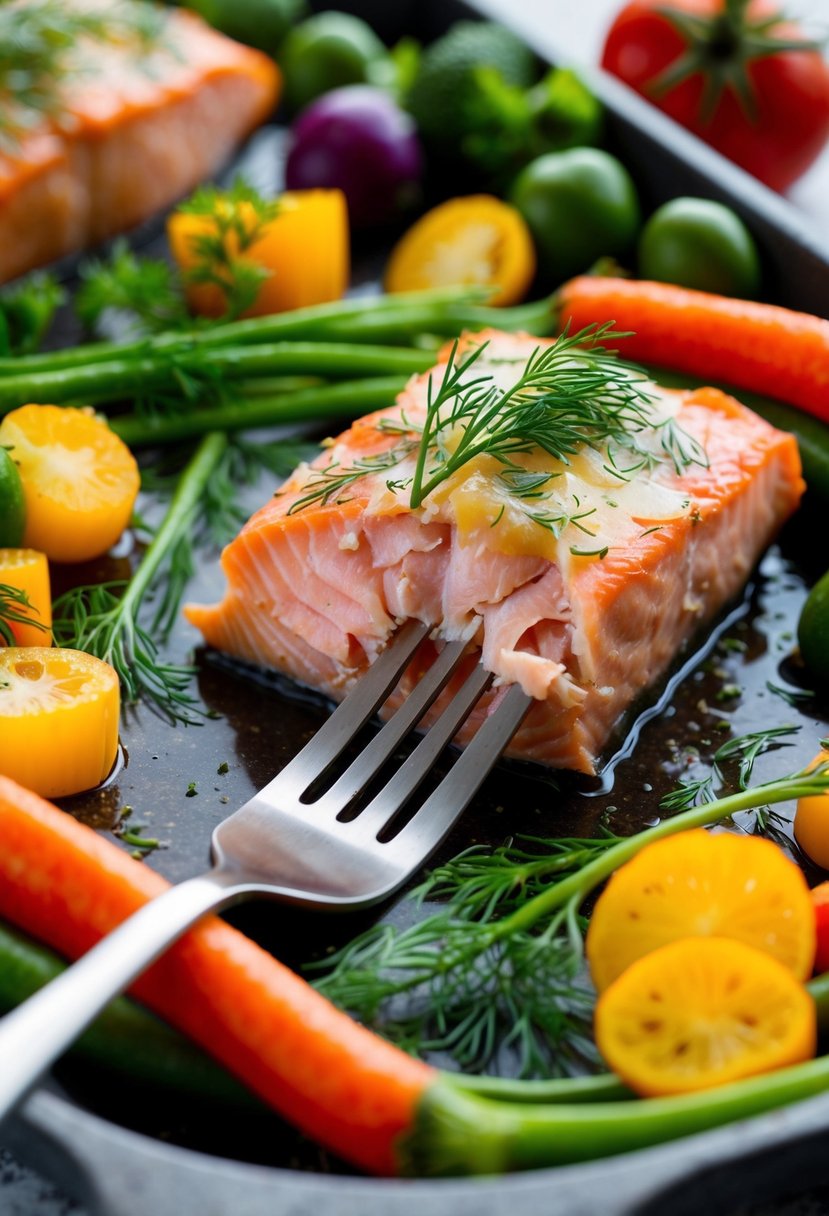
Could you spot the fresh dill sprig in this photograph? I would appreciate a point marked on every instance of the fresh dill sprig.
(16, 609)
(27, 309)
(104, 619)
(745, 750)
(567, 395)
(326, 484)
(498, 967)
(38, 51)
(237, 219)
(147, 291)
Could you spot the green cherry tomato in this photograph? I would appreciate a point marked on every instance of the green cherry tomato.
(12, 503)
(813, 631)
(326, 52)
(580, 205)
(702, 244)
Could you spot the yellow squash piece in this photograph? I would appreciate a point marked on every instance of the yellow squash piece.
(476, 240)
(700, 885)
(811, 822)
(305, 248)
(79, 479)
(28, 571)
(703, 1012)
(58, 719)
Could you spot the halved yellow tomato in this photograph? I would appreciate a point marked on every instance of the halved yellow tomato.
(80, 480)
(58, 719)
(466, 241)
(700, 1012)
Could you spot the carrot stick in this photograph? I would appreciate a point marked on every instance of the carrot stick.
(338, 1082)
(760, 347)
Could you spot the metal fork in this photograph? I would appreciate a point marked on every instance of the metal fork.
(286, 844)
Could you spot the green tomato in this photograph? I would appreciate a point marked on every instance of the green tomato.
(326, 52)
(12, 503)
(813, 631)
(580, 205)
(259, 23)
(701, 244)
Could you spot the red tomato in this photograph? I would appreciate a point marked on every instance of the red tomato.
(820, 898)
(769, 112)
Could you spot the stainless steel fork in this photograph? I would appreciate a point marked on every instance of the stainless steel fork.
(288, 844)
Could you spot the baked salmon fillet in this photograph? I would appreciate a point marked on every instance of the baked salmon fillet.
(578, 576)
(136, 124)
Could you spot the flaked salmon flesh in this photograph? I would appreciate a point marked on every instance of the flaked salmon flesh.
(584, 618)
(135, 129)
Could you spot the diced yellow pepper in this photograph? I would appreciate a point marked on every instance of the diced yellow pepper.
(28, 571)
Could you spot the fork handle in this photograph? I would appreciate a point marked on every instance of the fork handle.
(35, 1034)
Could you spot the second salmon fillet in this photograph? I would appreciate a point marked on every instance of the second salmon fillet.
(578, 575)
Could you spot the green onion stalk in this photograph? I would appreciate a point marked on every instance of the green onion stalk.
(103, 619)
(238, 414)
(190, 372)
(399, 318)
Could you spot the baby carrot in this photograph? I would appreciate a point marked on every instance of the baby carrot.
(334, 1079)
(760, 347)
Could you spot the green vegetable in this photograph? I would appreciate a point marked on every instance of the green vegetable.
(698, 243)
(305, 405)
(146, 290)
(580, 206)
(259, 23)
(325, 52)
(178, 367)
(26, 311)
(452, 96)
(196, 370)
(126, 1040)
(813, 630)
(12, 503)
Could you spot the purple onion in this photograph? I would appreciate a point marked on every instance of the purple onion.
(359, 140)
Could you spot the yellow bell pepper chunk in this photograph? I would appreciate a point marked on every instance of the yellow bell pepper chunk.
(58, 719)
(28, 571)
(305, 248)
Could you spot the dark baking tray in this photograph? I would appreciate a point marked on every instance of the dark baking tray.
(123, 1153)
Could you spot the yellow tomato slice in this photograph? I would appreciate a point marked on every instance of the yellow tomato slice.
(79, 479)
(699, 885)
(703, 1012)
(58, 719)
(473, 240)
(28, 571)
(306, 249)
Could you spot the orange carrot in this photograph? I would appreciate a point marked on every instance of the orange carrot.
(334, 1079)
(759, 347)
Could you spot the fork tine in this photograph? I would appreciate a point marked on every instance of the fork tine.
(439, 813)
(361, 704)
(372, 757)
(382, 809)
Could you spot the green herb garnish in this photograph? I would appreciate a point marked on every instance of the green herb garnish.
(238, 219)
(14, 606)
